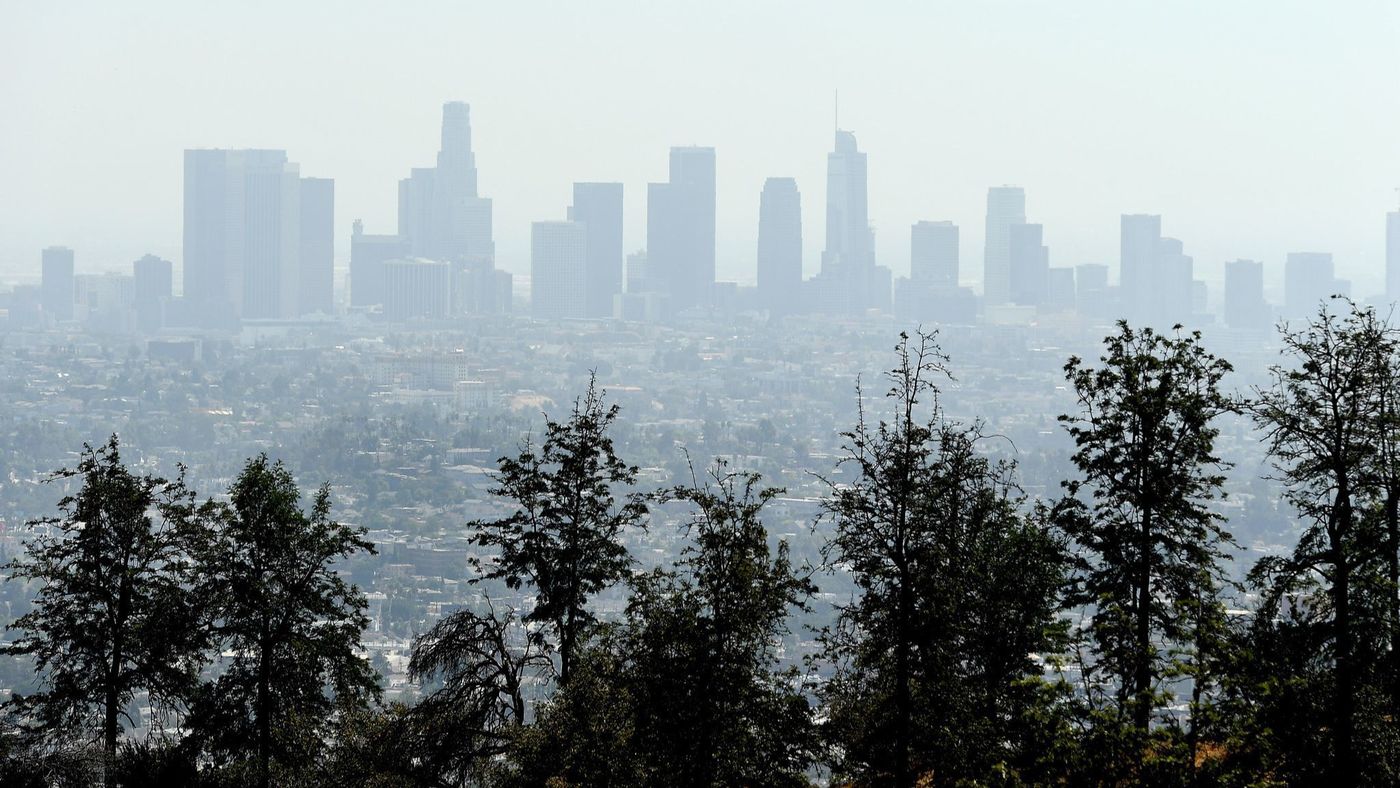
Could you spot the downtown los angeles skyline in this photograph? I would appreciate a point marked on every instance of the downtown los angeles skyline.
(1248, 159)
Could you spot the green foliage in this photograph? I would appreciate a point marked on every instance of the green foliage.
(290, 622)
(1148, 545)
(115, 615)
(934, 677)
(564, 539)
(1331, 429)
(482, 663)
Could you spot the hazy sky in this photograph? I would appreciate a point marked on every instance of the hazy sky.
(1254, 128)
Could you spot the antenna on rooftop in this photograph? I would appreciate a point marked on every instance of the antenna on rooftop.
(836, 112)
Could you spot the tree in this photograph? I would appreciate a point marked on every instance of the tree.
(290, 621)
(115, 615)
(1149, 545)
(481, 662)
(956, 588)
(1325, 420)
(564, 538)
(699, 648)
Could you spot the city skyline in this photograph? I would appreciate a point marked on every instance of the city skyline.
(1332, 196)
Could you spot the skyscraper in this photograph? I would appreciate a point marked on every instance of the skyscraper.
(849, 242)
(1244, 296)
(933, 253)
(1392, 256)
(1029, 264)
(368, 253)
(1166, 286)
(850, 281)
(417, 289)
(242, 237)
(599, 207)
(681, 228)
(1309, 278)
(1006, 206)
(57, 290)
(440, 212)
(1139, 240)
(558, 268)
(780, 245)
(316, 288)
(153, 285)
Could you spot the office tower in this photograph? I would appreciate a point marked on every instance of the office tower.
(1200, 300)
(933, 253)
(316, 287)
(850, 281)
(153, 281)
(1060, 291)
(1168, 286)
(1309, 279)
(1139, 239)
(1029, 262)
(1090, 278)
(849, 242)
(106, 302)
(558, 269)
(1006, 207)
(1392, 256)
(1245, 308)
(440, 212)
(780, 246)
(56, 291)
(368, 253)
(637, 279)
(681, 228)
(242, 243)
(599, 207)
(417, 289)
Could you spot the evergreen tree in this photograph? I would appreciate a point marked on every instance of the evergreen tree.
(699, 648)
(934, 677)
(1326, 418)
(1148, 544)
(291, 623)
(115, 615)
(564, 538)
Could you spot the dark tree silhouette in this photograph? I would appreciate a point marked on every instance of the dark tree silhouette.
(482, 662)
(1325, 417)
(1149, 546)
(291, 623)
(115, 615)
(956, 589)
(564, 538)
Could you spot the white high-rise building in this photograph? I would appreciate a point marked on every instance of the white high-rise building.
(1309, 279)
(933, 253)
(558, 269)
(1006, 206)
(242, 233)
(681, 228)
(599, 206)
(780, 245)
(1139, 243)
(849, 242)
(417, 289)
(440, 212)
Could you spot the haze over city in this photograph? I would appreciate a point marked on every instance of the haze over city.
(1254, 128)
(684, 395)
